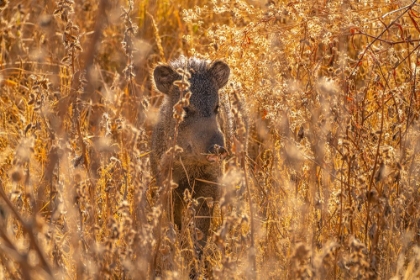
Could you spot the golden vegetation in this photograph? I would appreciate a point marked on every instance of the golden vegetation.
(329, 188)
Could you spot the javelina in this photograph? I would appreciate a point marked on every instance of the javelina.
(199, 135)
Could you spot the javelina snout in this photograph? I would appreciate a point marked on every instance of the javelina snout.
(216, 151)
(217, 143)
(201, 140)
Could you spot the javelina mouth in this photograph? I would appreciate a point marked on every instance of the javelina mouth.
(213, 158)
(216, 153)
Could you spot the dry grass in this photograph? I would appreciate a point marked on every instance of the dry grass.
(329, 187)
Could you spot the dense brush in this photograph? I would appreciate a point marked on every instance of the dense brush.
(322, 176)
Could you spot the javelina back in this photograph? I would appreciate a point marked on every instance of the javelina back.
(199, 135)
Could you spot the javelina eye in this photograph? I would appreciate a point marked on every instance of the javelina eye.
(216, 110)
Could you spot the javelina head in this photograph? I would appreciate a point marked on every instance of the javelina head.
(199, 133)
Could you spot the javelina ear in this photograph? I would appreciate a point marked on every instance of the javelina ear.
(220, 72)
(164, 77)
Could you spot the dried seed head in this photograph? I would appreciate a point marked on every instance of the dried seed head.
(165, 249)
(199, 234)
(210, 202)
(3, 4)
(16, 174)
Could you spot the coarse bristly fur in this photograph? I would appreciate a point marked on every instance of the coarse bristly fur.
(197, 133)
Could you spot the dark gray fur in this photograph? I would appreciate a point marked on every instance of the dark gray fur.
(197, 133)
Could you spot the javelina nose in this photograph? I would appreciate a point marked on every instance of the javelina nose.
(216, 152)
